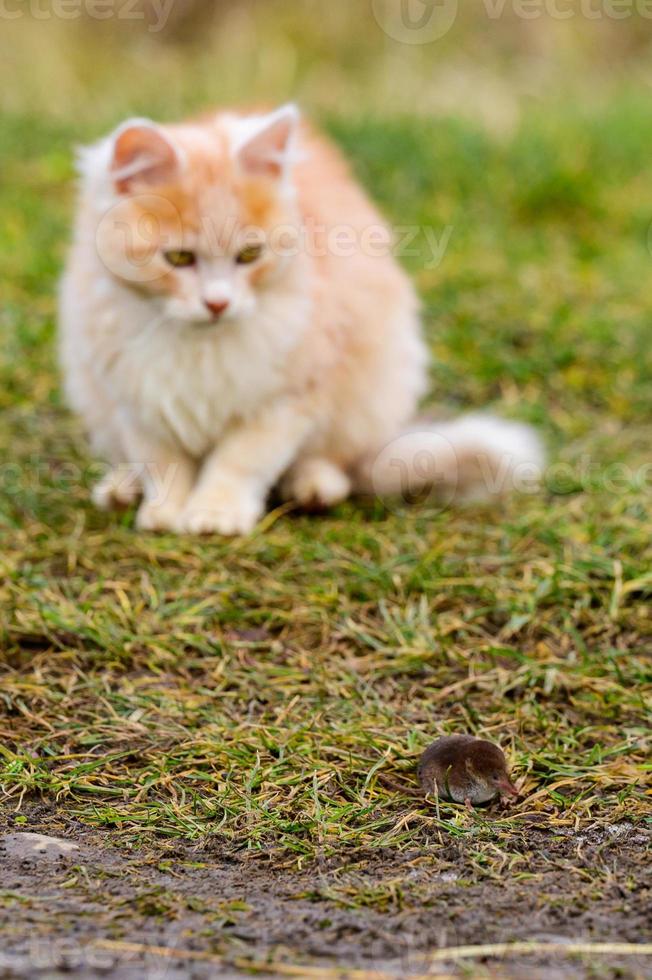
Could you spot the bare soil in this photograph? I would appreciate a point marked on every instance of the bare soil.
(78, 913)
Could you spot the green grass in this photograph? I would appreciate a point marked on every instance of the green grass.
(254, 690)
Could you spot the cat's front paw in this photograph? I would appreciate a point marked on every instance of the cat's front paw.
(230, 511)
(154, 516)
(316, 484)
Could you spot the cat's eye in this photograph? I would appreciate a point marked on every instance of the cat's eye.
(180, 258)
(249, 254)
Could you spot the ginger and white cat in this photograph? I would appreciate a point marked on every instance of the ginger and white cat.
(233, 319)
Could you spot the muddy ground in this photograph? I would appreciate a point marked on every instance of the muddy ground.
(74, 911)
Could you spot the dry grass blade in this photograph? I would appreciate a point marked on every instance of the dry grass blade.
(503, 950)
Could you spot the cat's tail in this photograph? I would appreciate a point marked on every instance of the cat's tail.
(473, 457)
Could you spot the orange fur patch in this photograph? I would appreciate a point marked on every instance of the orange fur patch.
(206, 209)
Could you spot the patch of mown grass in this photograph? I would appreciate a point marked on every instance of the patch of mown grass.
(256, 690)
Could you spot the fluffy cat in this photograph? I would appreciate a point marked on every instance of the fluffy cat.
(233, 319)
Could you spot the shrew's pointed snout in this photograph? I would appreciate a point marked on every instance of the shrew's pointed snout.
(216, 308)
(507, 786)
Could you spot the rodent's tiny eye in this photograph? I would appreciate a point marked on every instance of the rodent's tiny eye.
(249, 254)
(180, 258)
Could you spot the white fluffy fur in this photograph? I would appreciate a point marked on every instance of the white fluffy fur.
(473, 458)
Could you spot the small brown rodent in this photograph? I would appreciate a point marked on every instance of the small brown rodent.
(465, 769)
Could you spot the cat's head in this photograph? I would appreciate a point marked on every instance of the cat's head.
(201, 216)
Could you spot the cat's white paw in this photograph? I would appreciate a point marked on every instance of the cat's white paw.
(119, 488)
(154, 516)
(317, 483)
(230, 511)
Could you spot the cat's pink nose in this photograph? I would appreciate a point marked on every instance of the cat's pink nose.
(216, 308)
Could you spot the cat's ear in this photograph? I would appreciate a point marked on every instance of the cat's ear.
(265, 148)
(142, 155)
